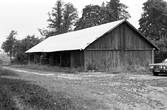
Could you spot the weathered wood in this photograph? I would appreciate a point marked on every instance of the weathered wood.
(108, 41)
(121, 47)
(146, 49)
(134, 40)
(29, 58)
(77, 58)
(60, 59)
(103, 49)
(153, 55)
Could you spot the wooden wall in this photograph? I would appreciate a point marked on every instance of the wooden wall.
(77, 58)
(101, 60)
(121, 47)
(110, 40)
(134, 40)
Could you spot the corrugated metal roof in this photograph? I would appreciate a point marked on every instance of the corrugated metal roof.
(76, 40)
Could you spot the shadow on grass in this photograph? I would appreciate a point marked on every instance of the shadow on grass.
(31, 95)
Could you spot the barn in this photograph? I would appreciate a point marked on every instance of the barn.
(102, 47)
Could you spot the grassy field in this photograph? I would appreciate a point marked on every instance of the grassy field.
(91, 90)
(17, 94)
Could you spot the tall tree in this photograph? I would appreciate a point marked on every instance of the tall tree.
(153, 22)
(118, 10)
(61, 19)
(8, 45)
(93, 15)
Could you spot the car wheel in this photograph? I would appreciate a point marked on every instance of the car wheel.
(155, 73)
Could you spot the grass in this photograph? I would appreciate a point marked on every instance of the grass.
(50, 68)
(87, 91)
(29, 95)
(119, 69)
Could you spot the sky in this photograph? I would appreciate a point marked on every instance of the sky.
(27, 16)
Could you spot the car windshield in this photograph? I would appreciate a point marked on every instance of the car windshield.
(165, 61)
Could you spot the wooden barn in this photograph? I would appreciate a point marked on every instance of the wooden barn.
(102, 47)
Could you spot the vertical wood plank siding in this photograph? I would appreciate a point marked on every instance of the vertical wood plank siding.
(108, 41)
(77, 58)
(125, 47)
(134, 40)
(104, 60)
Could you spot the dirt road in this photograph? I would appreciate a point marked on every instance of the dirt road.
(101, 91)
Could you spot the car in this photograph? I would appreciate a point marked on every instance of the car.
(158, 68)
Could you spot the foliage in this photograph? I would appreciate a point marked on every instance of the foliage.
(61, 19)
(118, 9)
(153, 25)
(16, 48)
(8, 45)
(23, 45)
(95, 15)
(153, 22)
(162, 53)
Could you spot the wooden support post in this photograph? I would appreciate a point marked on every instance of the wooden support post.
(84, 60)
(34, 59)
(29, 59)
(52, 59)
(152, 55)
(71, 60)
(60, 59)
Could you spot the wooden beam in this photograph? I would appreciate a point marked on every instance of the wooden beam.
(146, 49)
(103, 49)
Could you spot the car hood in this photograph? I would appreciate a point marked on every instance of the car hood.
(158, 64)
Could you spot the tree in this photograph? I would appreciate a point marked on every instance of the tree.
(118, 10)
(153, 25)
(95, 15)
(61, 19)
(23, 45)
(8, 45)
(153, 22)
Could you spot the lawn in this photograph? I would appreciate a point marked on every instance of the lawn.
(16, 94)
(94, 90)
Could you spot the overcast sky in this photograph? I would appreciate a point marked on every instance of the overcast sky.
(26, 16)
